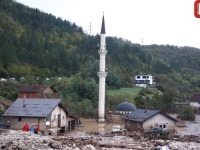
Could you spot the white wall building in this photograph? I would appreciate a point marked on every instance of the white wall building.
(142, 80)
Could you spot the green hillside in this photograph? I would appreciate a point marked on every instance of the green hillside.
(34, 44)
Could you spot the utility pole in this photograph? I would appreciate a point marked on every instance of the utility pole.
(90, 28)
(142, 41)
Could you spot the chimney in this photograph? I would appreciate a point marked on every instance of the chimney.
(145, 107)
(24, 101)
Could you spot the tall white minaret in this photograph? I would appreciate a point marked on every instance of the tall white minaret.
(102, 73)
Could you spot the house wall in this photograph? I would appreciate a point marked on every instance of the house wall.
(58, 118)
(16, 124)
(153, 122)
(157, 120)
(30, 95)
(133, 126)
(49, 92)
(144, 77)
(195, 104)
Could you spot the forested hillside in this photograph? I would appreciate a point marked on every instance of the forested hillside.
(34, 43)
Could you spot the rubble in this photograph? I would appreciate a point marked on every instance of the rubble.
(20, 140)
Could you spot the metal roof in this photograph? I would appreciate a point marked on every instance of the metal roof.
(195, 98)
(33, 108)
(140, 115)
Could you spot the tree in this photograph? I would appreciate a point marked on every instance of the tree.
(3, 73)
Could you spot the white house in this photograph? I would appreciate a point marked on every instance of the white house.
(49, 114)
(195, 100)
(145, 119)
(142, 80)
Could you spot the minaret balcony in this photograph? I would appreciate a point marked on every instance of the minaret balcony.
(102, 73)
(102, 51)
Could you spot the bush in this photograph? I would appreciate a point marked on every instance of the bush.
(142, 92)
(187, 113)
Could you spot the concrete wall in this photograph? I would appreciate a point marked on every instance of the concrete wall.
(114, 118)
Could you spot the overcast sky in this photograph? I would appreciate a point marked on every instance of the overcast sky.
(155, 21)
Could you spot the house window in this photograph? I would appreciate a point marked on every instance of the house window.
(199, 103)
(147, 76)
(138, 77)
(19, 119)
(144, 77)
(138, 125)
(63, 117)
(54, 117)
(162, 125)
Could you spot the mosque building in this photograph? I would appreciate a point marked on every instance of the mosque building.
(121, 111)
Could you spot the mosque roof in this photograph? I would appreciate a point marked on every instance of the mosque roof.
(126, 106)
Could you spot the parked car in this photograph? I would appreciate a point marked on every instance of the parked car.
(157, 131)
(117, 128)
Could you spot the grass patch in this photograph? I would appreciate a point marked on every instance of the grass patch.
(132, 91)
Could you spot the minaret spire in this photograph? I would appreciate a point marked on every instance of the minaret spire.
(103, 29)
(102, 73)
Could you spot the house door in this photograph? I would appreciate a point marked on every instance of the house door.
(59, 120)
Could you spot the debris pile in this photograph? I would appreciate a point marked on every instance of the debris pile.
(20, 140)
(11, 139)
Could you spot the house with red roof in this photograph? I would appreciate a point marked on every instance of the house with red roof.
(37, 91)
